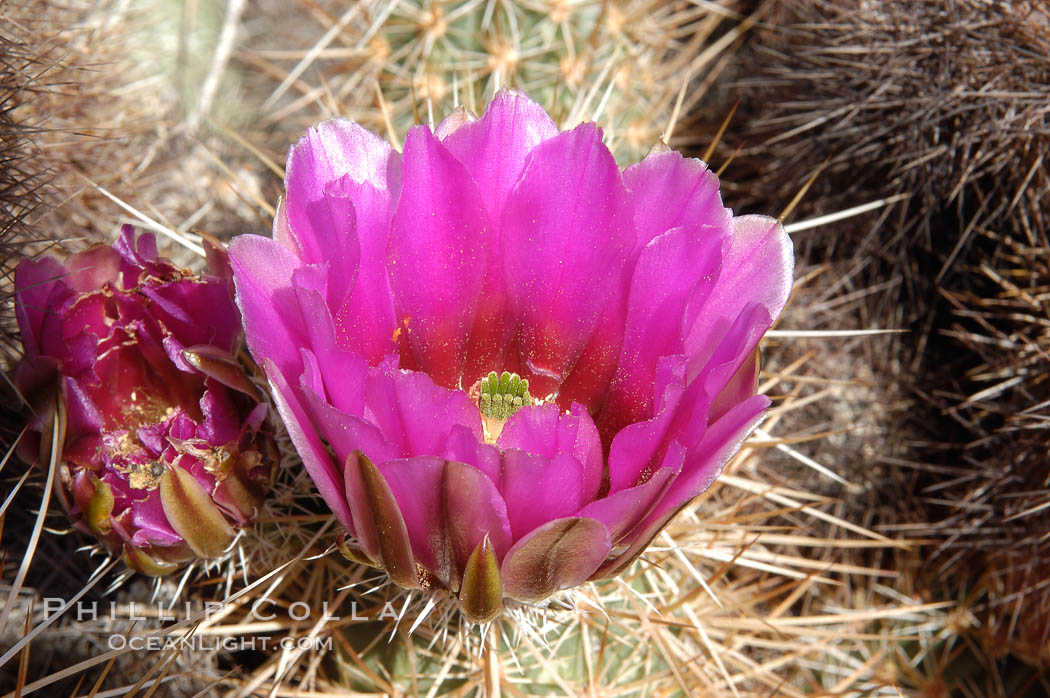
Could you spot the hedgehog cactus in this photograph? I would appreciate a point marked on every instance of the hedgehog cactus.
(621, 62)
(157, 432)
(565, 53)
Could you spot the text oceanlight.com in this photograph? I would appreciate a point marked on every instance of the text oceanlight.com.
(196, 643)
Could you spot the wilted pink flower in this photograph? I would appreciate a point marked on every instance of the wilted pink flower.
(129, 366)
(632, 303)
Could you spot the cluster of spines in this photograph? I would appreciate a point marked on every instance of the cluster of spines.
(503, 394)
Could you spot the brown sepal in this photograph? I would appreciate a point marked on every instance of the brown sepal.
(481, 594)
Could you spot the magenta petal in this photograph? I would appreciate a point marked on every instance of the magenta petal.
(495, 147)
(670, 268)
(328, 152)
(414, 414)
(417, 487)
(539, 489)
(756, 268)
(141, 251)
(36, 376)
(463, 445)
(493, 150)
(153, 527)
(35, 281)
(196, 311)
(304, 437)
(622, 510)
(221, 424)
(310, 379)
(473, 509)
(365, 323)
(742, 385)
(83, 417)
(568, 217)
(273, 326)
(326, 233)
(91, 269)
(635, 447)
(731, 348)
(703, 463)
(344, 373)
(139, 257)
(588, 383)
(694, 412)
(341, 147)
(734, 347)
(492, 329)
(70, 323)
(670, 191)
(347, 433)
(437, 255)
(546, 431)
(340, 181)
(559, 555)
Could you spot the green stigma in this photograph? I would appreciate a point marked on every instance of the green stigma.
(503, 395)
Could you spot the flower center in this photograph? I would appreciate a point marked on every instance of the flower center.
(501, 395)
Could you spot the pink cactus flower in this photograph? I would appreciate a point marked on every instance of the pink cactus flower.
(129, 367)
(505, 363)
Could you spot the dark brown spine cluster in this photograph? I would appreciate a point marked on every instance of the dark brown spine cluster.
(28, 65)
(946, 102)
